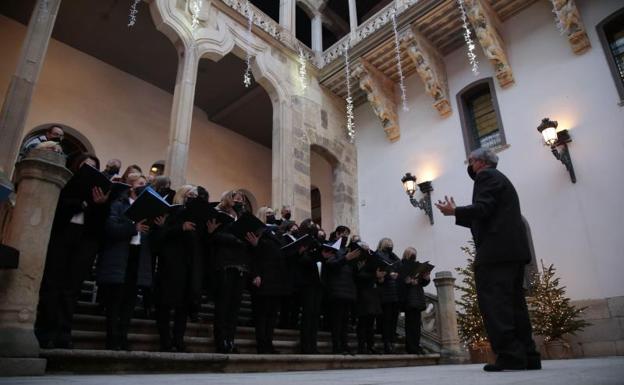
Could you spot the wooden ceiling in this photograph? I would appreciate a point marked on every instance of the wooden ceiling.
(441, 24)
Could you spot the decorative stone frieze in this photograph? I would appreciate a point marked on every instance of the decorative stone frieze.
(483, 21)
(430, 67)
(261, 20)
(570, 23)
(381, 95)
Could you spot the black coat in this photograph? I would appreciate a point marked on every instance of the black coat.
(368, 300)
(113, 257)
(412, 294)
(389, 287)
(338, 278)
(270, 264)
(495, 221)
(180, 262)
(306, 270)
(227, 250)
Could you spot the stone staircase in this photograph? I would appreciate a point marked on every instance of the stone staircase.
(89, 355)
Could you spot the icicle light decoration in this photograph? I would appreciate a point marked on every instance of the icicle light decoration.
(350, 126)
(474, 63)
(397, 49)
(133, 13)
(195, 9)
(247, 75)
(302, 70)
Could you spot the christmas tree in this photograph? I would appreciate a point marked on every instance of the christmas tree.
(471, 328)
(552, 315)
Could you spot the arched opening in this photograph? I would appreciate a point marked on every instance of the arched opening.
(73, 143)
(322, 165)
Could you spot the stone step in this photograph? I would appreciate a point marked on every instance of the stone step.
(106, 361)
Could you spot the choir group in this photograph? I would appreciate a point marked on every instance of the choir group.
(195, 249)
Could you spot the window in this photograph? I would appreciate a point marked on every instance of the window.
(611, 33)
(480, 118)
(315, 196)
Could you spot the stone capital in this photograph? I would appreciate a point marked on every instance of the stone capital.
(484, 22)
(571, 24)
(430, 67)
(380, 92)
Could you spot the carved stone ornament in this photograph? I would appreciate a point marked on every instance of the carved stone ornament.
(570, 23)
(380, 93)
(483, 23)
(261, 20)
(430, 68)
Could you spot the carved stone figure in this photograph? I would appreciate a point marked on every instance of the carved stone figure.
(570, 22)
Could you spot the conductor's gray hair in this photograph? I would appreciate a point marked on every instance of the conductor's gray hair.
(486, 155)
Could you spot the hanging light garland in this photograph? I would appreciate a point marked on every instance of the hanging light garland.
(195, 9)
(397, 49)
(472, 58)
(302, 69)
(133, 13)
(349, 100)
(247, 75)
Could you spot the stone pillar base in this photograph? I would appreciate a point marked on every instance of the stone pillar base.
(11, 366)
(453, 358)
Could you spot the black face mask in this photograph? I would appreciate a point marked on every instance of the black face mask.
(471, 172)
(270, 219)
(163, 192)
(112, 171)
(287, 216)
(388, 250)
(239, 207)
(139, 190)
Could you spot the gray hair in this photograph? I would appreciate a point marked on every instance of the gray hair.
(486, 155)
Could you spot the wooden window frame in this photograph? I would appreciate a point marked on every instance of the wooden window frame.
(464, 115)
(606, 48)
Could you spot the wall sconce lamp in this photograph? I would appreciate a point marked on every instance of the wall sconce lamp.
(409, 184)
(558, 142)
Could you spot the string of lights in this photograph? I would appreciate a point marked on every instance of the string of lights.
(397, 49)
(472, 57)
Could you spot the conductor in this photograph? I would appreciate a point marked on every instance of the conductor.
(502, 251)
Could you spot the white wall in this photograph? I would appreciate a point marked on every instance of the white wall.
(577, 227)
(125, 117)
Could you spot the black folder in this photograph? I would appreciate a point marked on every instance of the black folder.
(417, 268)
(89, 177)
(246, 223)
(5, 191)
(200, 211)
(149, 205)
(294, 245)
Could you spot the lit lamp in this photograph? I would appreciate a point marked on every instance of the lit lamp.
(558, 142)
(409, 184)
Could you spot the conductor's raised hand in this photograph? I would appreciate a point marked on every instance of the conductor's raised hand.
(446, 207)
(257, 281)
(212, 225)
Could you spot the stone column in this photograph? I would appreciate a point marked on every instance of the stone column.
(283, 175)
(450, 350)
(19, 94)
(39, 179)
(287, 15)
(353, 19)
(182, 115)
(317, 33)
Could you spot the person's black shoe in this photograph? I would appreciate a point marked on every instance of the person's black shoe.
(492, 368)
(502, 367)
(388, 348)
(534, 363)
(373, 351)
(420, 350)
(232, 349)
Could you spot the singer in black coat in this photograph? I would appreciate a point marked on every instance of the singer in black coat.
(502, 250)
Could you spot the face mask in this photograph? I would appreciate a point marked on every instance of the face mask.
(139, 190)
(388, 249)
(270, 219)
(471, 172)
(112, 171)
(238, 207)
(287, 216)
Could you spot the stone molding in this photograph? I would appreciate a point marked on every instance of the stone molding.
(430, 67)
(381, 95)
(571, 24)
(484, 21)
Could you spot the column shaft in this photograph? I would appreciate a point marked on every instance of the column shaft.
(353, 18)
(317, 33)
